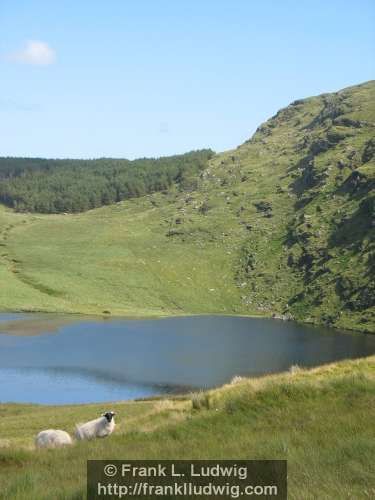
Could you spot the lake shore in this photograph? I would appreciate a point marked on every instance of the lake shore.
(179, 314)
(305, 416)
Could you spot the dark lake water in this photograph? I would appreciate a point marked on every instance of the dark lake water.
(58, 359)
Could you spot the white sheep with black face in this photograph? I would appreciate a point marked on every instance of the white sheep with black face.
(100, 427)
(53, 438)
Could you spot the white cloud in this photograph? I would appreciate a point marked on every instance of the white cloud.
(35, 52)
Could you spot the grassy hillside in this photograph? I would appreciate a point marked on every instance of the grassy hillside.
(320, 420)
(282, 225)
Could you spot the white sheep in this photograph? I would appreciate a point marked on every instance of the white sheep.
(52, 438)
(100, 427)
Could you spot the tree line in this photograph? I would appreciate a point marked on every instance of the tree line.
(55, 186)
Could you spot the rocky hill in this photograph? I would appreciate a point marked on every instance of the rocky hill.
(310, 251)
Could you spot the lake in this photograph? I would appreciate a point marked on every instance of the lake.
(54, 359)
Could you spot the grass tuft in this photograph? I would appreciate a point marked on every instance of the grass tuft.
(200, 400)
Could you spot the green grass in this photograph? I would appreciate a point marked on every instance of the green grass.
(118, 259)
(133, 258)
(320, 420)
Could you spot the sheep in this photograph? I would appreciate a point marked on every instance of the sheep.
(53, 438)
(100, 427)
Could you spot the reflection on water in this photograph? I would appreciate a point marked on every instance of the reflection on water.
(80, 359)
(35, 324)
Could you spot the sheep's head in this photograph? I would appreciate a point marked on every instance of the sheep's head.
(109, 415)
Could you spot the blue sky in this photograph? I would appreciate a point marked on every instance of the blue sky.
(136, 78)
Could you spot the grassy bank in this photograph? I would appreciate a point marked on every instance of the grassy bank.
(117, 259)
(320, 420)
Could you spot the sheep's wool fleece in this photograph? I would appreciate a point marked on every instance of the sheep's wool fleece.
(99, 427)
(52, 438)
